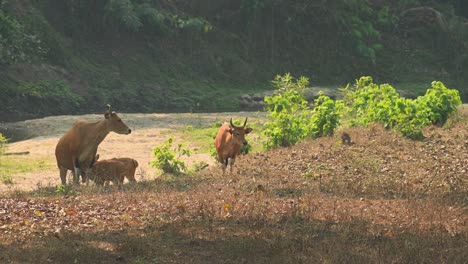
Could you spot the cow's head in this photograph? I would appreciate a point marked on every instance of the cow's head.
(238, 133)
(115, 123)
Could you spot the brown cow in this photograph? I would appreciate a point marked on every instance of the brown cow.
(115, 170)
(228, 142)
(76, 150)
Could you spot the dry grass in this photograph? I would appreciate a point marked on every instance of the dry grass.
(383, 199)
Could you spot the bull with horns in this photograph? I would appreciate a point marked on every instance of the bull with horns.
(228, 143)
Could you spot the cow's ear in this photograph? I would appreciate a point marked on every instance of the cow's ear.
(248, 130)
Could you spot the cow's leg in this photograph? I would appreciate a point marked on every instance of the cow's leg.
(63, 175)
(85, 174)
(76, 175)
(224, 166)
(231, 163)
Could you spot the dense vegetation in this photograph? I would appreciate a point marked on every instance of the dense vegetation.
(143, 55)
(291, 119)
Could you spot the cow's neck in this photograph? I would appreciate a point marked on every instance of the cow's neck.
(99, 131)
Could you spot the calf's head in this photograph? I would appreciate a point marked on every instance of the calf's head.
(238, 133)
(115, 123)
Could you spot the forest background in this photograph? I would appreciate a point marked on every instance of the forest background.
(73, 57)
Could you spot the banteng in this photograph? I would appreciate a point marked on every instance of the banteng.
(77, 149)
(228, 143)
(113, 170)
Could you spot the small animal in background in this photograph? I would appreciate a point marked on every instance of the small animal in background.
(113, 170)
(346, 138)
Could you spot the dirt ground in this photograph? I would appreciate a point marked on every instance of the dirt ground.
(380, 199)
(148, 130)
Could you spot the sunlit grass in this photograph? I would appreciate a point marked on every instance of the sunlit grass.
(12, 165)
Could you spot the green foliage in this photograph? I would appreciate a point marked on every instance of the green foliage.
(364, 25)
(58, 91)
(439, 102)
(150, 15)
(3, 141)
(288, 112)
(63, 190)
(16, 45)
(246, 149)
(325, 116)
(368, 102)
(290, 117)
(123, 11)
(167, 158)
(130, 15)
(196, 24)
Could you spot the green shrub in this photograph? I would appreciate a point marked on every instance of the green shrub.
(3, 141)
(439, 102)
(290, 117)
(43, 94)
(363, 25)
(4, 178)
(325, 116)
(16, 45)
(123, 11)
(368, 102)
(166, 158)
(288, 113)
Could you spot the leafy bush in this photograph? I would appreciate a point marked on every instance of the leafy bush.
(3, 141)
(368, 102)
(151, 16)
(4, 178)
(325, 116)
(288, 112)
(364, 24)
(124, 12)
(56, 92)
(16, 45)
(290, 117)
(439, 102)
(166, 158)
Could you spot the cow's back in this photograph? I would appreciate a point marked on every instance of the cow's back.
(116, 168)
(127, 167)
(73, 145)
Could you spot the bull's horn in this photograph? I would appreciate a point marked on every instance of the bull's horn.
(109, 108)
(232, 125)
(245, 123)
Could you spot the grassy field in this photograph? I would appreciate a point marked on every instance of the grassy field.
(11, 165)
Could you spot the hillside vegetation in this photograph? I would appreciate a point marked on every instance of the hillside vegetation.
(178, 56)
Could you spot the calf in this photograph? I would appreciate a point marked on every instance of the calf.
(228, 142)
(77, 149)
(114, 170)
